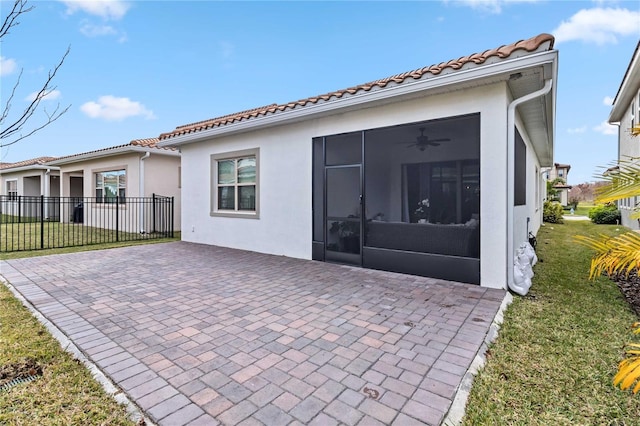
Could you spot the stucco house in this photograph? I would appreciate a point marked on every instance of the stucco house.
(33, 177)
(560, 171)
(434, 172)
(137, 169)
(625, 113)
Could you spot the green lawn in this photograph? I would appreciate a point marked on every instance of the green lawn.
(558, 349)
(583, 209)
(31, 236)
(66, 394)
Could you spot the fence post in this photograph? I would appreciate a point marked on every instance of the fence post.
(172, 216)
(41, 221)
(153, 209)
(117, 210)
(19, 208)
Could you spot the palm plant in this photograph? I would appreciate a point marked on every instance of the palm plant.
(620, 254)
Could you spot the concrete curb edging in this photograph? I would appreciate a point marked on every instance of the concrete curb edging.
(457, 410)
(135, 414)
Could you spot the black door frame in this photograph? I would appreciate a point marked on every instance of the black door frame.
(329, 254)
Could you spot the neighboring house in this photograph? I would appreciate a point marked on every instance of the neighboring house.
(434, 172)
(136, 169)
(560, 171)
(625, 113)
(28, 178)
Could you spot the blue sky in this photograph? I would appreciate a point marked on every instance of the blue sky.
(140, 68)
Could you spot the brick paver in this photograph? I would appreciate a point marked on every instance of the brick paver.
(199, 334)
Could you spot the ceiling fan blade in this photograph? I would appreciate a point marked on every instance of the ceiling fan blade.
(434, 144)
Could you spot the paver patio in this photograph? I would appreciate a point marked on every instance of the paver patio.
(198, 334)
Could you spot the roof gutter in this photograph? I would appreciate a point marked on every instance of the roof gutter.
(31, 167)
(500, 70)
(511, 137)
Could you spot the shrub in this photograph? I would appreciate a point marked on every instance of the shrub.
(552, 212)
(607, 214)
(573, 203)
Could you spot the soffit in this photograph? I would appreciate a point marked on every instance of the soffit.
(538, 113)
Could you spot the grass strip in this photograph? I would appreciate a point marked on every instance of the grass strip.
(66, 394)
(26, 236)
(559, 346)
(90, 247)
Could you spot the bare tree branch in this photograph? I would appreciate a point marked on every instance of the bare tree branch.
(10, 21)
(28, 112)
(17, 131)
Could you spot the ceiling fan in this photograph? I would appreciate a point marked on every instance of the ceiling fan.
(423, 141)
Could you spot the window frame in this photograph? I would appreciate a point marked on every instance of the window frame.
(519, 170)
(12, 195)
(235, 156)
(102, 198)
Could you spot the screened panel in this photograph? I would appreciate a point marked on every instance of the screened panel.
(318, 189)
(344, 149)
(343, 192)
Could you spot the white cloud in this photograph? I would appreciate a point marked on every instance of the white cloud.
(48, 96)
(577, 130)
(91, 30)
(606, 128)
(111, 108)
(599, 25)
(7, 66)
(608, 100)
(489, 6)
(107, 9)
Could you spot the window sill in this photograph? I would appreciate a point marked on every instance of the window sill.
(241, 215)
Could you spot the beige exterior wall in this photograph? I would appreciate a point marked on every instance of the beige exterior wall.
(30, 182)
(160, 177)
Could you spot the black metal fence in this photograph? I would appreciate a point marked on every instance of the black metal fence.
(38, 222)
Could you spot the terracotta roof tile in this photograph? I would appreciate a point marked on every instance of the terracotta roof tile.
(144, 143)
(501, 52)
(31, 162)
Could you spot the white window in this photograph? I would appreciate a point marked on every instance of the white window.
(12, 189)
(235, 184)
(109, 185)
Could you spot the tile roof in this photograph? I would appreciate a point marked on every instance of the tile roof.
(144, 143)
(502, 52)
(559, 165)
(32, 162)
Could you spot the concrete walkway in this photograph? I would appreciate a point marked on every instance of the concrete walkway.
(575, 217)
(203, 335)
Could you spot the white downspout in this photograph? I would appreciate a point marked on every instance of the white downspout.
(46, 192)
(511, 137)
(141, 190)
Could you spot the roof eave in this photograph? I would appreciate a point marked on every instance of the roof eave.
(31, 167)
(628, 89)
(113, 151)
(502, 68)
